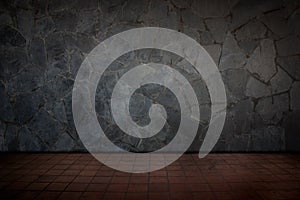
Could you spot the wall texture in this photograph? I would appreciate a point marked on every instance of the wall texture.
(256, 45)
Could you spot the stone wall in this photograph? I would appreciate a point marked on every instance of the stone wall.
(256, 45)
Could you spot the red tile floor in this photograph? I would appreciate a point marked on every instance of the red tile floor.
(217, 176)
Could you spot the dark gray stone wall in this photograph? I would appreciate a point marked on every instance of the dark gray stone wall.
(256, 45)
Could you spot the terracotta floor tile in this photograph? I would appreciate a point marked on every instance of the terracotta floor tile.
(247, 195)
(61, 166)
(177, 179)
(48, 195)
(64, 179)
(37, 186)
(27, 195)
(77, 187)
(70, 172)
(224, 195)
(158, 196)
(55, 186)
(217, 176)
(91, 196)
(139, 179)
(233, 178)
(178, 187)
(30, 178)
(83, 179)
(181, 195)
(289, 194)
(13, 177)
(158, 179)
(54, 172)
(117, 187)
(114, 196)
(174, 168)
(101, 179)
(175, 173)
(9, 194)
(105, 173)
(46, 178)
(158, 173)
(76, 166)
(269, 194)
(97, 187)
(217, 187)
(136, 195)
(203, 195)
(137, 187)
(92, 166)
(158, 187)
(120, 179)
(67, 162)
(242, 186)
(195, 179)
(214, 179)
(5, 184)
(118, 173)
(17, 186)
(88, 173)
(70, 195)
(279, 185)
(196, 187)
(38, 171)
(293, 185)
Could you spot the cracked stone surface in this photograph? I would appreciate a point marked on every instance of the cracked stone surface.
(255, 44)
(263, 139)
(277, 23)
(262, 61)
(295, 96)
(273, 108)
(284, 46)
(291, 65)
(256, 88)
(281, 82)
(236, 82)
(232, 56)
(218, 28)
(214, 51)
(252, 30)
(29, 141)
